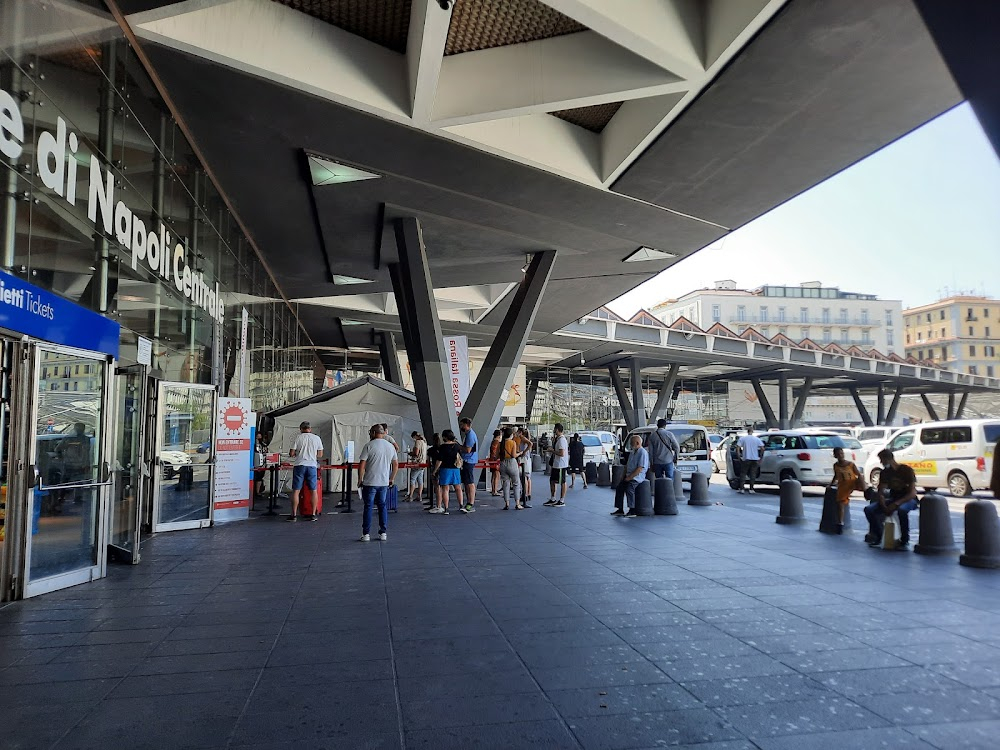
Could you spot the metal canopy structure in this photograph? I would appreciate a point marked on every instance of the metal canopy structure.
(482, 124)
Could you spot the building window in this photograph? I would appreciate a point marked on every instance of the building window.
(866, 337)
(781, 315)
(989, 370)
(941, 315)
(716, 313)
(845, 336)
(741, 312)
(970, 316)
(783, 330)
(942, 333)
(826, 314)
(766, 331)
(973, 370)
(827, 335)
(805, 332)
(888, 338)
(864, 317)
(920, 353)
(803, 314)
(971, 332)
(843, 315)
(989, 351)
(972, 350)
(888, 318)
(986, 312)
(987, 334)
(763, 313)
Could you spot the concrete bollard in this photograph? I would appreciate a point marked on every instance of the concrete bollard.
(664, 502)
(537, 465)
(617, 475)
(791, 511)
(678, 485)
(936, 537)
(603, 475)
(643, 499)
(831, 513)
(590, 472)
(699, 489)
(982, 535)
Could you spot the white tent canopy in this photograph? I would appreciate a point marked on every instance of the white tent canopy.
(343, 414)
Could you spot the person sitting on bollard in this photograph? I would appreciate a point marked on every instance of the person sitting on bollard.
(635, 472)
(663, 450)
(896, 493)
(848, 478)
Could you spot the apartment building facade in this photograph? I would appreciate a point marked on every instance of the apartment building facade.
(961, 332)
(811, 311)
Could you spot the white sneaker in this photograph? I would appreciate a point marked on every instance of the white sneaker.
(436, 510)
(383, 537)
(739, 492)
(752, 491)
(365, 538)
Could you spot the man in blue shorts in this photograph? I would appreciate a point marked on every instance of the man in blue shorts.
(470, 455)
(305, 452)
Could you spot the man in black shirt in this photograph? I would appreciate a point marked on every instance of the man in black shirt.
(896, 493)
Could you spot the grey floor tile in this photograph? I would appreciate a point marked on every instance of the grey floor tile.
(598, 675)
(907, 709)
(720, 667)
(651, 729)
(433, 713)
(826, 713)
(972, 735)
(841, 660)
(893, 738)
(619, 699)
(749, 690)
(973, 674)
(862, 682)
(551, 734)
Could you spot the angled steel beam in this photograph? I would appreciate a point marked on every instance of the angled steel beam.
(800, 402)
(865, 416)
(418, 317)
(880, 405)
(930, 407)
(951, 406)
(387, 356)
(666, 391)
(638, 407)
(765, 405)
(529, 398)
(783, 421)
(890, 416)
(960, 411)
(623, 402)
(486, 399)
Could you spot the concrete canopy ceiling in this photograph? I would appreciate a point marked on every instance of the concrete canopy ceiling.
(820, 86)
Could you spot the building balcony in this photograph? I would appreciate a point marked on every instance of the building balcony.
(756, 320)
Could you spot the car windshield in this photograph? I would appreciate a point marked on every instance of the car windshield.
(851, 442)
(691, 440)
(591, 441)
(824, 441)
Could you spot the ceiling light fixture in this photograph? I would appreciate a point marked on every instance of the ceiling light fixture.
(326, 172)
(527, 262)
(343, 280)
(647, 253)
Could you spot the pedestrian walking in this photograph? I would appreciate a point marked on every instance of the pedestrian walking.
(510, 479)
(749, 447)
(576, 453)
(558, 464)
(447, 468)
(305, 452)
(417, 455)
(377, 467)
(470, 457)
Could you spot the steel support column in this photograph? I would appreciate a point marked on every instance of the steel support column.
(951, 406)
(880, 405)
(930, 407)
(800, 402)
(865, 416)
(387, 355)
(529, 398)
(623, 402)
(783, 421)
(418, 317)
(960, 411)
(765, 405)
(666, 391)
(638, 407)
(890, 416)
(486, 399)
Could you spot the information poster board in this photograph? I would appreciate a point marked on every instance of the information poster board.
(233, 459)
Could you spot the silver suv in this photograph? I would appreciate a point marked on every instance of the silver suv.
(792, 454)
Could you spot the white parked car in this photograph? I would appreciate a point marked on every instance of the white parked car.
(170, 461)
(720, 454)
(874, 435)
(694, 443)
(593, 449)
(956, 455)
(856, 451)
(793, 454)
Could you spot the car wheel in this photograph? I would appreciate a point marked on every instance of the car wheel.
(874, 477)
(958, 484)
(786, 474)
(715, 468)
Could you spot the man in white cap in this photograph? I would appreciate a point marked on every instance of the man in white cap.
(305, 452)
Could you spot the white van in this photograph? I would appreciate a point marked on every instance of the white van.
(956, 455)
(874, 435)
(695, 447)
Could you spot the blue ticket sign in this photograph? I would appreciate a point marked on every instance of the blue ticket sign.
(26, 309)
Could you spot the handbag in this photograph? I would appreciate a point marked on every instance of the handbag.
(458, 461)
(891, 533)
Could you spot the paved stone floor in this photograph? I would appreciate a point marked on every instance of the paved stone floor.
(549, 628)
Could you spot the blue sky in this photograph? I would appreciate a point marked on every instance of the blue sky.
(914, 221)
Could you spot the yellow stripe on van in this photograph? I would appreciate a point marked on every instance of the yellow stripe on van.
(923, 467)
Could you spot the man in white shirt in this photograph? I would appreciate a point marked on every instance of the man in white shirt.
(305, 452)
(750, 448)
(560, 463)
(376, 471)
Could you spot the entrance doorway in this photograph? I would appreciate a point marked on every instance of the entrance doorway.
(128, 469)
(184, 462)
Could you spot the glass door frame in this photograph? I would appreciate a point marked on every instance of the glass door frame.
(18, 468)
(155, 468)
(139, 472)
(45, 585)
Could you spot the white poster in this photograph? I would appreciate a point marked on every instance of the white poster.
(233, 459)
(514, 406)
(456, 352)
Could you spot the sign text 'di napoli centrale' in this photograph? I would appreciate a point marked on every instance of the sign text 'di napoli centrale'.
(233, 454)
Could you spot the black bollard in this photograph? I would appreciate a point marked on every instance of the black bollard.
(936, 537)
(643, 499)
(590, 472)
(699, 489)
(664, 502)
(791, 511)
(982, 535)
(830, 520)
